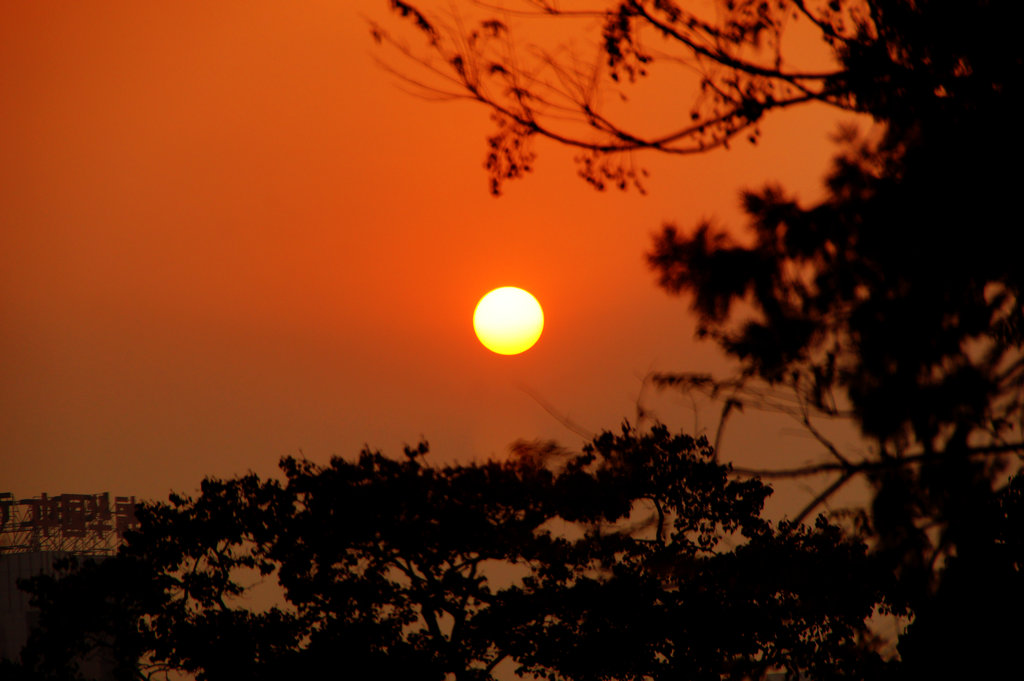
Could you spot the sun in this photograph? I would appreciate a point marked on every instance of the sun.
(508, 320)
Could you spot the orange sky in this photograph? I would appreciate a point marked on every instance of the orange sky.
(227, 236)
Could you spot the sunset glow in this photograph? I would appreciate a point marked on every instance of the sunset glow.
(229, 234)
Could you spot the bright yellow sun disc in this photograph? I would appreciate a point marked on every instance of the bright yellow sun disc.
(508, 320)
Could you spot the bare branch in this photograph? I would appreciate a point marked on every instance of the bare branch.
(825, 442)
(561, 418)
(822, 497)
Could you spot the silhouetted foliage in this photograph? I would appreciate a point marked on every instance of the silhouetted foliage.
(895, 301)
(637, 558)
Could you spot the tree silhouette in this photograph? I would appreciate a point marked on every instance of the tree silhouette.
(892, 299)
(636, 558)
(896, 301)
(918, 334)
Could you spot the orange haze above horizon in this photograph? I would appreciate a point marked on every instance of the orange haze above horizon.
(228, 236)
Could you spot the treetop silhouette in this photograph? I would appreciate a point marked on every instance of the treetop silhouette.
(637, 557)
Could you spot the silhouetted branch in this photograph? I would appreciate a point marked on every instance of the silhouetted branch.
(820, 437)
(561, 418)
(870, 466)
(722, 57)
(743, 78)
(823, 497)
